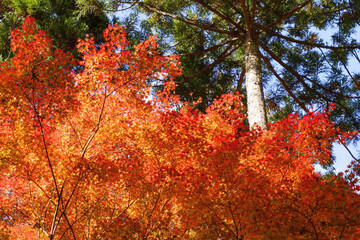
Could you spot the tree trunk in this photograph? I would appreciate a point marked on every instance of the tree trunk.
(254, 88)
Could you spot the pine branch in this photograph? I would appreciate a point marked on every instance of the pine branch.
(326, 89)
(229, 20)
(188, 21)
(300, 78)
(309, 43)
(353, 13)
(234, 7)
(282, 81)
(211, 48)
(285, 16)
(253, 12)
(356, 56)
(246, 16)
(351, 154)
(224, 55)
(344, 64)
(292, 71)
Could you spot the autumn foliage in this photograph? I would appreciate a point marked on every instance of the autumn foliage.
(85, 153)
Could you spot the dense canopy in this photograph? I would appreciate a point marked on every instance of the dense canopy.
(87, 154)
(59, 19)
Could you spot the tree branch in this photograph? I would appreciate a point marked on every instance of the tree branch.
(229, 20)
(54, 225)
(246, 16)
(309, 43)
(346, 68)
(355, 55)
(328, 89)
(351, 154)
(211, 48)
(221, 221)
(66, 205)
(119, 215)
(253, 12)
(232, 212)
(96, 128)
(300, 78)
(241, 79)
(353, 13)
(82, 215)
(77, 135)
(292, 71)
(285, 16)
(188, 21)
(214, 63)
(283, 83)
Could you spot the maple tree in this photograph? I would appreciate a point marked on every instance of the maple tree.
(86, 154)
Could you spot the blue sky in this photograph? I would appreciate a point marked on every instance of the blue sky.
(343, 157)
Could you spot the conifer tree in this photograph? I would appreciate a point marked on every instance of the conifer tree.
(271, 44)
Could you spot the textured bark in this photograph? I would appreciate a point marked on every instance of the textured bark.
(255, 96)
